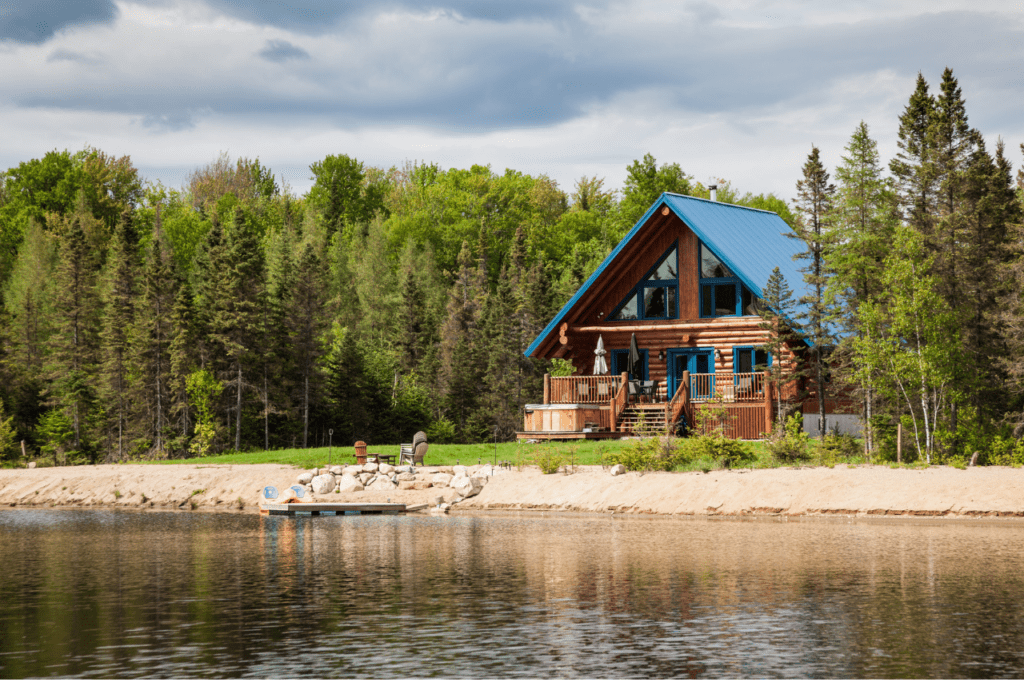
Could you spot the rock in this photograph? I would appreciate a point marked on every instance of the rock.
(405, 469)
(338, 470)
(618, 470)
(352, 470)
(421, 485)
(441, 480)
(460, 469)
(324, 483)
(428, 470)
(381, 484)
(407, 485)
(349, 484)
(370, 480)
(385, 469)
(406, 477)
(31, 465)
(365, 478)
(467, 486)
(304, 478)
(370, 467)
(323, 471)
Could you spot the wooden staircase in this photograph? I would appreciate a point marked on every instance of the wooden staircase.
(650, 415)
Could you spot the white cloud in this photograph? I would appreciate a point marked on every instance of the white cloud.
(733, 91)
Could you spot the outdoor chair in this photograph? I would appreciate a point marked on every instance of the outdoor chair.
(649, 389)
(633, 390)
(414, 452)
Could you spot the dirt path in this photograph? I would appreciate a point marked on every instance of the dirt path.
(868, 491)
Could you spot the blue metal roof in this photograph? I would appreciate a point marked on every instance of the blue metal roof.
(751, 242)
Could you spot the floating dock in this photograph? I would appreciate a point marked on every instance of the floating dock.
(330, 508)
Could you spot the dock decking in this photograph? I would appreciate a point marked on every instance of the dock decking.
(331, 508)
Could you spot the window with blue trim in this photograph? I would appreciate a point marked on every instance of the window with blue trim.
(656, 296)
(747, 359)
(721, 292)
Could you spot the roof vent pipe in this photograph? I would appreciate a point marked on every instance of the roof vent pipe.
(714, 192)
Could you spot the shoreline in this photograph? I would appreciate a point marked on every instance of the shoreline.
(863, 491)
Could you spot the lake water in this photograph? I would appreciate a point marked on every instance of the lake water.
(133, 594)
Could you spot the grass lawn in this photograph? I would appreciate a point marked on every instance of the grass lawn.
(584, 452)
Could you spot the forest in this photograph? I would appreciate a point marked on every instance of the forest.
(145, 322)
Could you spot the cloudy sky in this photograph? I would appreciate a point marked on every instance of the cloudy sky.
(737, 90)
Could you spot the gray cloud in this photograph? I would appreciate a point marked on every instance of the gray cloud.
(70, 56)
(36, 21)
(317, 16)
(169, 122)
(496, 76)
(282, 51)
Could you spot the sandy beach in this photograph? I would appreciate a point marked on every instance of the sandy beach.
(808, 491)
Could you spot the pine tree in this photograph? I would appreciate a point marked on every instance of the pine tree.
(307, 326)
(120, 292)
(912, 168)
(184, 359)
(73, 357)
(28, 301)
(777, 315)
(863, 220)
(154, 331)
(814, 204)
(239, 298)
(459, 374)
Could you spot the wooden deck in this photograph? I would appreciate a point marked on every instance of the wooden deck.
(568, 435)
(330, 508)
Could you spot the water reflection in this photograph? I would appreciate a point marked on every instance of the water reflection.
(114, 594)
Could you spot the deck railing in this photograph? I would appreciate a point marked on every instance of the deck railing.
(727, 387)
(584, 389)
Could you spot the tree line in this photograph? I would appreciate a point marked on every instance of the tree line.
(915, 281)
(146, 322)
(140, 321)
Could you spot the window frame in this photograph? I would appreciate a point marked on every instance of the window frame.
(753, 360)
(713, 282)
(636, 294)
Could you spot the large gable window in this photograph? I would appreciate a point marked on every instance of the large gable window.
(721, 291)
(656, 296)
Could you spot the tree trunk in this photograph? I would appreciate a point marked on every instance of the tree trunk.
(238, 413)
(305, 409)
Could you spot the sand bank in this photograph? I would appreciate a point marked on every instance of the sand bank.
(862, 491)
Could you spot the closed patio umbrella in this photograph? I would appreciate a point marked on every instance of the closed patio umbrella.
(600, 363)
(635, 362)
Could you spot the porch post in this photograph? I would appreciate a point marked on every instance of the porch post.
(547, 389)
(686, 389)
(767, 403)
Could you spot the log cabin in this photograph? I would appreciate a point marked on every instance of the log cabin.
(687, 282)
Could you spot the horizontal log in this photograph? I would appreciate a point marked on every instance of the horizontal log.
(690, 326)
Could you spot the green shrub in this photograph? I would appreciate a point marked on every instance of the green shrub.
(548, 460)
(729, 453)
(836, 447)
(790, 443)
(441, 431)
(658, 453)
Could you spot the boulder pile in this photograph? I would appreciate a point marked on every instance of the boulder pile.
(466, 481)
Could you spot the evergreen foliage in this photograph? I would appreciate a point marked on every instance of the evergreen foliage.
(140, 321)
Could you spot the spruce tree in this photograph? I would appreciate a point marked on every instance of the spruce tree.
(814, 204)
(777, 315)
(120, 292)
(154, 331)
(74, 348)
(239, 298)
(307, 324)
(863, 220)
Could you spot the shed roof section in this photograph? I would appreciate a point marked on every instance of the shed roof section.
(751, 242)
